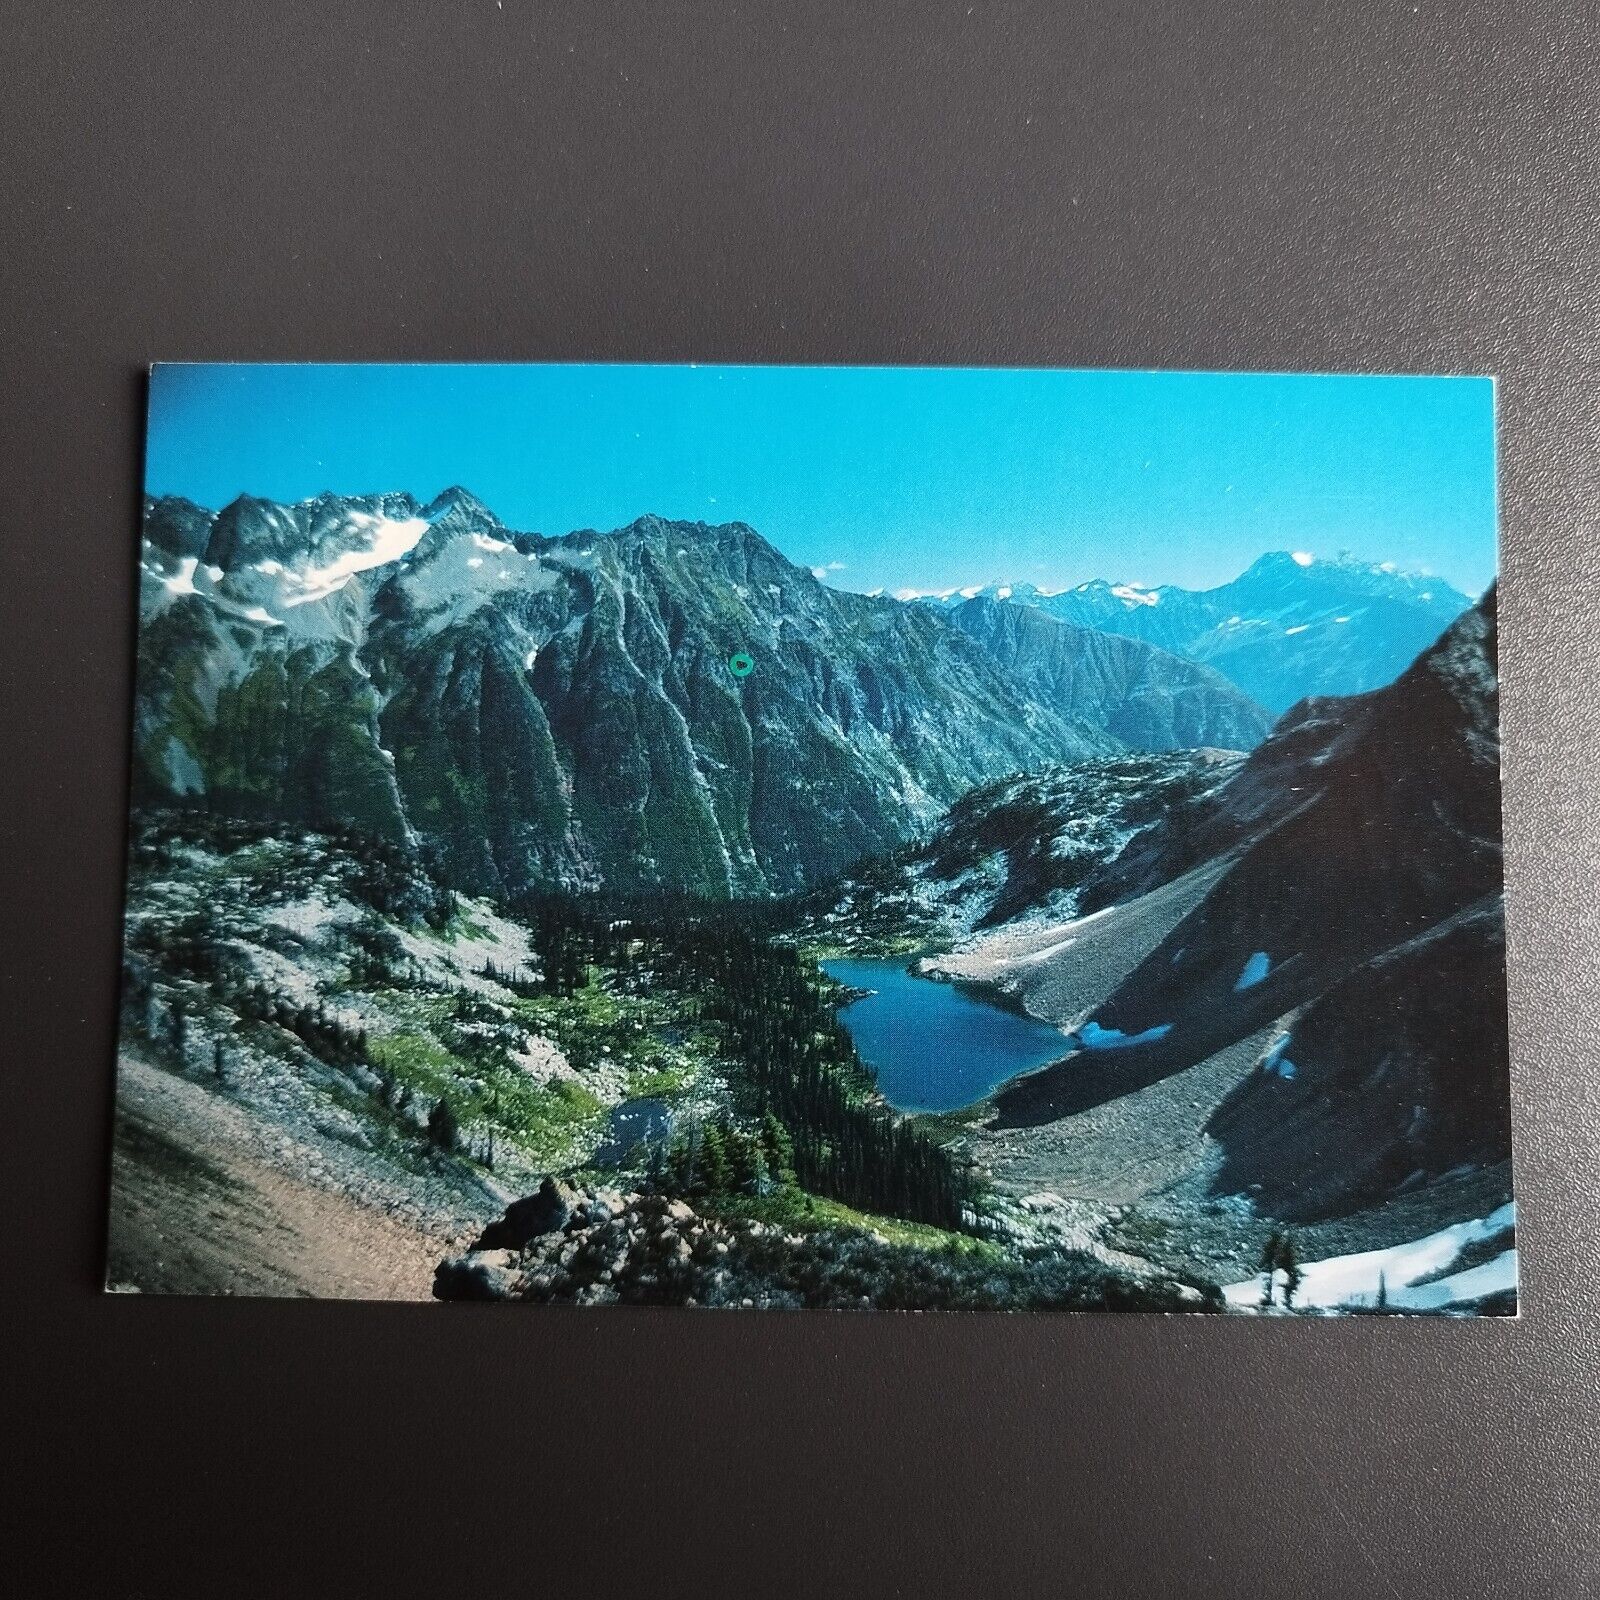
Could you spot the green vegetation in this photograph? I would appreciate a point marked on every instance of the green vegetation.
(770, 1011)
(792, 1208)
(444, 1054)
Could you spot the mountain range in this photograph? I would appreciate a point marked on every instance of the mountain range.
(1291, 626)
(558, 712)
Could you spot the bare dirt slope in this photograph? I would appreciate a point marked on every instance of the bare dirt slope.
(196, 1208)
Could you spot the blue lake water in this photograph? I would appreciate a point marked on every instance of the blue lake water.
(633, 1123)
(935, 1046)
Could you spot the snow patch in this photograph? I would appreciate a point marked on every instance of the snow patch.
(1255, 969)
(1302, 558)
(321, 593)
(264, 617)
(389, 538)
(1044, 954)
(1093, 1037)
(1277, 1061)
(182, 581)
(1131, 594)
(1355, 1280)
(1290, 632)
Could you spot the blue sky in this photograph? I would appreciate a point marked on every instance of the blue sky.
(886, 477)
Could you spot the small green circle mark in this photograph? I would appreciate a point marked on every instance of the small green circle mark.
(741, 665)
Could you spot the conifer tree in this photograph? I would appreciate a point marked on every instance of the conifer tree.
(715, 1170)
(1292, 1275)
(443, 1128)
(179, 1035)
(1268, 1264)
(778, 1148)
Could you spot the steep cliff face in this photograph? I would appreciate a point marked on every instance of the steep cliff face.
(560, 711)
(1396, 1073)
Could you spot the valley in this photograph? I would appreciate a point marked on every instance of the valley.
(487, 937)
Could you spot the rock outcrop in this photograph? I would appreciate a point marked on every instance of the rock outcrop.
(613, 1247)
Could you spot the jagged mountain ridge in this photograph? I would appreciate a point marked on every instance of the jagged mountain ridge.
(558, 711)
(1289, 627)
(1155, 708)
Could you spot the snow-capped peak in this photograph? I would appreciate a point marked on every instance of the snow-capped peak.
(387, 540)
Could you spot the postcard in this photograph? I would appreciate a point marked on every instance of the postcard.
(786, 837)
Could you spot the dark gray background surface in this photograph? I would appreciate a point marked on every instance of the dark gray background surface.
(1360, 185)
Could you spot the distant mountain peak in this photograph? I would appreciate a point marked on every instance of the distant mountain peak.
(1292, 624)
(461, 502)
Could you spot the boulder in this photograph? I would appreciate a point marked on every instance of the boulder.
(548, 1211)
(486, 1275)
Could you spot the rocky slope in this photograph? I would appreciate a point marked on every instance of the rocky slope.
(601, 1246)
(1156, 704)
(536, 711)
(335, 1072)
(1019, 848)
(1339, 897)
(1289, 627)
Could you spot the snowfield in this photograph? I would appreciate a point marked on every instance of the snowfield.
(1353, 1281)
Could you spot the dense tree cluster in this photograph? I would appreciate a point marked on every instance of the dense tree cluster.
(769, 1004)
(721, 1157)
(771, 1009)
(323, 1034)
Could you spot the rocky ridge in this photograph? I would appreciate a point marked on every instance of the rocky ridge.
(1290, 626)
(603, 1246)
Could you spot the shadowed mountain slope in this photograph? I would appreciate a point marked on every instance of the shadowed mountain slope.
(1346, 879)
